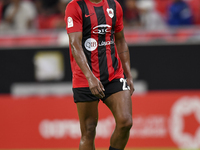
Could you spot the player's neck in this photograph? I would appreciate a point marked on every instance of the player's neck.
(95, 1)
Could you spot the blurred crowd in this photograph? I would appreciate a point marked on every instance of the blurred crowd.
(160, 14)
(148, 14)
(32, 14)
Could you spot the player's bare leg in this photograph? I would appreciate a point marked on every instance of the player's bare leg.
(121, 106)
(88, 116)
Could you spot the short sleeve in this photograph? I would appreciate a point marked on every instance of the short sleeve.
(119, 21)
(73, 17)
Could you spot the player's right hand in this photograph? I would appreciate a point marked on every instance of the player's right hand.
(96, 87)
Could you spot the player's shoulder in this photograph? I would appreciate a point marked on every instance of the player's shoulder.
(118, 6)
(117, 3)
(73, 3)
(114, 1)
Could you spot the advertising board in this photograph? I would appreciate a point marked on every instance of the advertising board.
(161, 119)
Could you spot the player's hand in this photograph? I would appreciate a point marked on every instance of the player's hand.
(130, 84)
(96, 87)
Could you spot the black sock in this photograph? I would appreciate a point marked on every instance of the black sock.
(111, 148)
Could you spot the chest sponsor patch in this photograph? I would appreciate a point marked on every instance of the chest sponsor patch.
(90, 44)
(102, 29)
(70, 22)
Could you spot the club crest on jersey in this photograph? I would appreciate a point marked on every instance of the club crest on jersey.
(110, 12)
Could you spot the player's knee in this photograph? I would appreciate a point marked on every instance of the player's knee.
(125, 123)
(90, 131)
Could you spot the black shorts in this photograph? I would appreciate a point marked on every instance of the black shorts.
(84, 94)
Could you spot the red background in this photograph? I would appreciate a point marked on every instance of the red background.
(20, 118)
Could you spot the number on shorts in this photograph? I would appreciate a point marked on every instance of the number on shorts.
(124, 84)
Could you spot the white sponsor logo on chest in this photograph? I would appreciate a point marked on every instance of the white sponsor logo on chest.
(102, 29)
(90, 44)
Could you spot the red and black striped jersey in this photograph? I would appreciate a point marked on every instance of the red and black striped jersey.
(98, 23)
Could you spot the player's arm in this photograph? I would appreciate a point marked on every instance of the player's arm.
(124, 56)
(95, 85)
(122, 46)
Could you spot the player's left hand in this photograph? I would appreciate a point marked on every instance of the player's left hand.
(130, 84)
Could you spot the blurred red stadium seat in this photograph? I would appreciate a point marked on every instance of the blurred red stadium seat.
(162, 5)
(195, 6)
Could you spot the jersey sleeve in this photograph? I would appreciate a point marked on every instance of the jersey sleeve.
(73, 17)
(119, 21)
